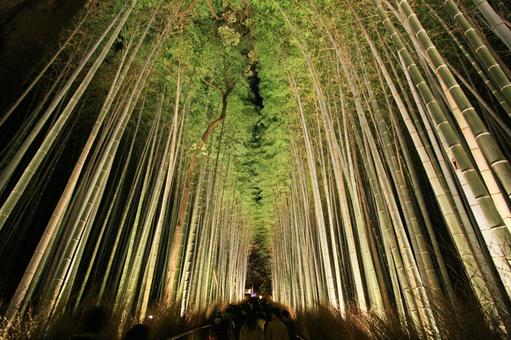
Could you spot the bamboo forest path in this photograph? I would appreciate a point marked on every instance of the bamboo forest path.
(350, 160)
(226, 323)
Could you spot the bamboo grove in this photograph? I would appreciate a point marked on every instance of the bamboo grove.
(376, 172)
(399, 186)
(149, 213)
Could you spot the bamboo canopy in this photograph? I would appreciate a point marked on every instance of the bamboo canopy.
(359, 151)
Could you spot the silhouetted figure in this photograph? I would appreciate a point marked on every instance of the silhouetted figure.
(211, 335)
(261, 321)
(138, 332)
(251, 330)
(291, 328)
(276, 329)
(92, 325)
(220, 326)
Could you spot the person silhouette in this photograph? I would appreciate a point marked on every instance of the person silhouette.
(276, 329)
(290, 325)
(138, 332)
(250, 329)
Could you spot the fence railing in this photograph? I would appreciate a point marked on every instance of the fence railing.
(191, 331)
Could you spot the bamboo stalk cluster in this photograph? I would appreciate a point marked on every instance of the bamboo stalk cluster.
(397, 132)
(400, 161)
(113, 234)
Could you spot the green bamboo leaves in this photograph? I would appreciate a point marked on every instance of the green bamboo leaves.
(363, 122)
(376, 162)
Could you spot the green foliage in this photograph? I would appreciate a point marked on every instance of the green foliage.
(229, 36)
(258, 49)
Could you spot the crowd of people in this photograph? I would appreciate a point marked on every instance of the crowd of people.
(255, 319)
